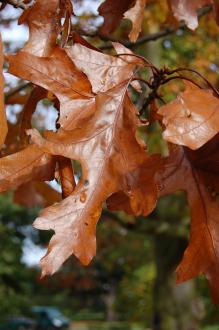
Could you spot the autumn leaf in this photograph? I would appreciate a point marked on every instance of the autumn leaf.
(136, 15)
(100, 137)
(32, 194)
(3, 122)
(71, 86)
(43, 29)
(108, 151)
(201, 255)
(113, 12)
(186, 10)
(26, 165)
(192, 119)
(144, 194)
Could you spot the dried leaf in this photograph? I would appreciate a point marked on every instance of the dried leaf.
(143, 195)
(32, 194)
(24, 122)
(25, 165)
(66, 176)
(113, 11)
(103, 71)
(187, 11)
(108, 152)
(192, 119)
(136, 15)
(201, 256)
(3, 122)
(59, 75)
(44, 26)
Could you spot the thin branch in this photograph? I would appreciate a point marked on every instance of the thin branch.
(149, 37)
(16, 90)
(19, 3)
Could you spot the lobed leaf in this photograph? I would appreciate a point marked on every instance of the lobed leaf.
(192, 119)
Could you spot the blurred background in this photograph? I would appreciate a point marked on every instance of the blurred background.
(131, 282)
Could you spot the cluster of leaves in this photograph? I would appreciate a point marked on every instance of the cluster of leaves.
(96, 126)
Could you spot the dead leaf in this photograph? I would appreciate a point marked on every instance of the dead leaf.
(136, 16)
(187, 11)
(113, 11)
(107, 153)
(3, 122)
(201, 256)
(32, 194)
(44, 26)
(192, 119)
(28, 164)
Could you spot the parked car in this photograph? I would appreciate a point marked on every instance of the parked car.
(42, 318)
(49, 318)
(19, 323)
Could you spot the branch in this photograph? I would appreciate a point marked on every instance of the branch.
(16, 90)
(19, 3)
(149, 37)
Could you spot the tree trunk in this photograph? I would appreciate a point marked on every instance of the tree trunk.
(176, 307)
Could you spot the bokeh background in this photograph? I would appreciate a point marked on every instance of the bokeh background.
(131, 282)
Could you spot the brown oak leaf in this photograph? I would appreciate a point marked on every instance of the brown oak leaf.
(136, 15)
(3, 122)
(192, 119)
(113, 12)
(32, 194)
(108, 151)
(186, 10)
(26, 165)
(202, 254)
(99, 132)
(43, 28)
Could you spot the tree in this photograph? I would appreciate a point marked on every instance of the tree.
(105, 106)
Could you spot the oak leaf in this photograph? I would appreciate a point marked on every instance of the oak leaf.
(113, 12)
(3, 122)
(192, 119)
(108, 151)
(26, 165)
(202, 253)
(136, 15)
(32, 194)
(43, 28)
(186, 10)
(99, 132)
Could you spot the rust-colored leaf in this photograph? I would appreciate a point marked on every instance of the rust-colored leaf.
(43, 21)
(32, 194)
(59, 75)
(136, 15)
(24, 123)
(143, 195)
(66, 176)
(201, 256)
(25, 165)
(192, 119)
(108, 151)
(101, 137)
(187, 10)
(113, 12)
(3, 122)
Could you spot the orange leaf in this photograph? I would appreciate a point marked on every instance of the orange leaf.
(3, 122)
(136, 15)
(28, 164)
(201, 256)
(192, 119)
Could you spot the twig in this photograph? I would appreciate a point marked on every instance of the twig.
(149, 37)
(16, 90)
(19, 3)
